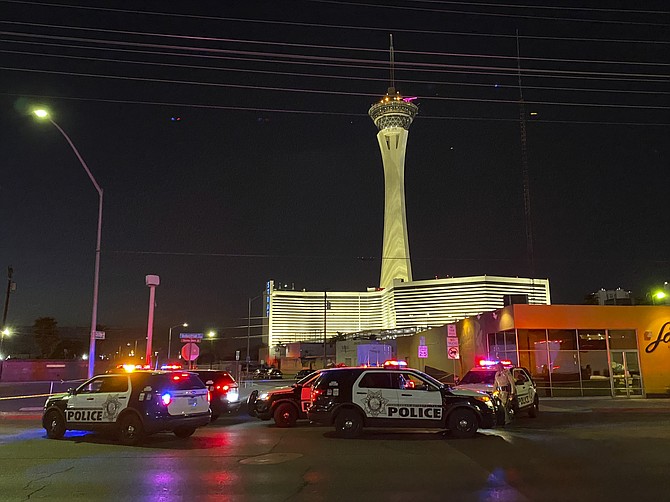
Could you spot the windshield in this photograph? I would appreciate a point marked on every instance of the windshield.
(478, 377)
(308, 380)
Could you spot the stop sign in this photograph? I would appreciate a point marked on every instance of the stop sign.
(190, 351)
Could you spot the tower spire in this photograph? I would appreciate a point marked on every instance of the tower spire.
(392, 88)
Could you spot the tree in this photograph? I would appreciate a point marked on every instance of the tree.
(46, 335)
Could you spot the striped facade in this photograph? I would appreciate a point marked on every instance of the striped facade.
(293, 316)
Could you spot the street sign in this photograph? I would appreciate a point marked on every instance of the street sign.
(237, 355)
(451, 330)
(423, 351)
(452, 341)
(453, 353)
(191, 337)
(99, 335)
(190, 351)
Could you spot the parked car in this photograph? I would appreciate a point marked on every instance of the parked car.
(132, 405)
(303, 373)
(268, 374)
(482, 378)
(223, 391)
(286, 405)
(354, 398)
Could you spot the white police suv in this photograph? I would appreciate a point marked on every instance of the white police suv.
(354, 398)
(131, 405)
(482, 378)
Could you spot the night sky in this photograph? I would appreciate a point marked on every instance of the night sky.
(233, 145)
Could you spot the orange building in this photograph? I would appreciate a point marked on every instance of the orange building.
(571, 350)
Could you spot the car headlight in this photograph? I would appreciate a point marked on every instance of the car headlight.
(263, 396)
(486, 400)
(232, 396)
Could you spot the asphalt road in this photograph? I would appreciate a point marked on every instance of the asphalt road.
(595, 450)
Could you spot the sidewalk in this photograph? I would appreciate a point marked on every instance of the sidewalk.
(603, 404)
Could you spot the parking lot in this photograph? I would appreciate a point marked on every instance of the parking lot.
(600, 449)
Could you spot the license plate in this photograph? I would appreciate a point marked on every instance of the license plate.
(192, 401)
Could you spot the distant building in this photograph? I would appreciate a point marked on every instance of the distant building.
(292, 316)
(612, 297)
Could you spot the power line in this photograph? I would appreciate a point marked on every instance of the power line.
(488, 14)
(329, 26)
(325, 112)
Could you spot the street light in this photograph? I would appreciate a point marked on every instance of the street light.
(249, 328)
(211, 336)
(43, 114)
(170, 337)
(5, 332)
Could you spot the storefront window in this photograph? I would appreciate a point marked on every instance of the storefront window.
(529, 338)
(595, 373)
(622, 339)
(564, 373)
(564, 339)
(592, 339)
(529, 359)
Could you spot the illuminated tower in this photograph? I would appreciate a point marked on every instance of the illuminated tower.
(393, 116)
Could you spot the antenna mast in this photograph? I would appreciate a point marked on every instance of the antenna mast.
(524, 166)
(392, 63)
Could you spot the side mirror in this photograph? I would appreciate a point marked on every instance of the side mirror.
(71, 391)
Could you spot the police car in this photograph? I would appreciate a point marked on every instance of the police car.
(285, 405)
(132, 405)
(482, 378)
(354, 398)
(223, 391)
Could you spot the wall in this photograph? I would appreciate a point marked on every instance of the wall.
(33, 370)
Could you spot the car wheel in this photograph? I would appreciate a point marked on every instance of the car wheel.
(348, 424)
(534, 410)
(251, 403)
(184, 432)
(285, 415)
(54, 424)
(463, 423)
(131, 431)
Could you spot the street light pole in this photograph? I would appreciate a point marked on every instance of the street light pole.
(211, 336)
(249, 328)
(94, 315)
(170, 337)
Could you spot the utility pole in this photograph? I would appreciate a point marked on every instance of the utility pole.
(11, 286)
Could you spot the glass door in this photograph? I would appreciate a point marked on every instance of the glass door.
(625, 376)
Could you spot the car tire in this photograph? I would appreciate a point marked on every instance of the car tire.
(184, 432)
(251, 403)
(534, 410)
(348, 424)
(462, 423)
(131, 431)
(286, 415)
(54, 424)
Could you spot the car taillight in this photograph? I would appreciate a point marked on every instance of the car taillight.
(209, 397)
(166, 398)
(315, 393)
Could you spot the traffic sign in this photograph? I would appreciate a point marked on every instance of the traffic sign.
(423, 351)
(453, 353)
(452, 341)
(99, 335)
(451, 330)
(191, 337)
(190, 351)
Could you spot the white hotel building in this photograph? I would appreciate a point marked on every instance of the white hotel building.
(292, 316)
